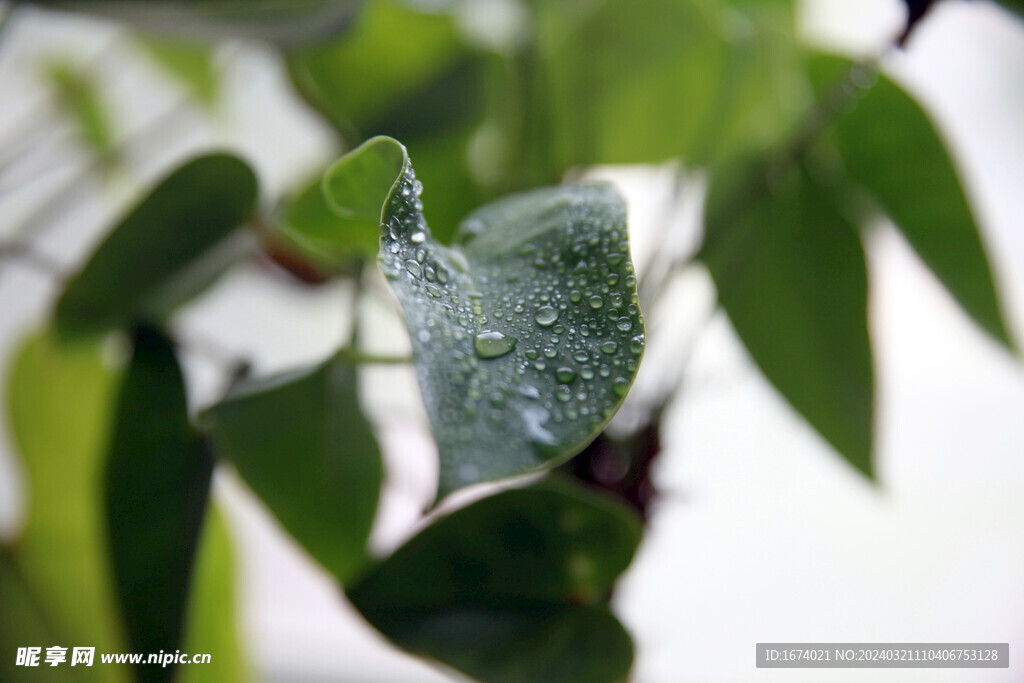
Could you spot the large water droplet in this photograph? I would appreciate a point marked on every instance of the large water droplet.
(546, 316)
(596, 302)
(565, 375)
(491, 344)
(414, 268)
(624, 324)
(609, 347)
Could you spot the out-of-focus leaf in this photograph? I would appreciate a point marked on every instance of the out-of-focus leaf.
(78, 98)
(647, 81)
(285, 23)
(22, 624)
(526, 337)
(212, 618)
(511, 588)
(59, 398)
(1015, 6)
(404, 50)
(889, 145)
(168, 247)
(157, 485)
(790, 273)
(303, 445)
(189, 63)
(428, 89)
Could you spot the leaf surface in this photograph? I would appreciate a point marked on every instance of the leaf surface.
(166, 249)
(790, 273)
(157, 486)
(890, 146)
(303, 445)
(526, 336)
(512, 587)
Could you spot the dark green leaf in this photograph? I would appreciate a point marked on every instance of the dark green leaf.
(284, 23)
(157, 485)
(890, 146)
(526, 338)
(60, 398)
(790, 272)
(171, 245)
(511, 588)
(1015, 6)
(301, 442)
(190, 63)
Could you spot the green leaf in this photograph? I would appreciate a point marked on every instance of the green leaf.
(890, 146)
(527, 337)
(157, 484)
(401, 47)
(303, 445)
(512, 587)
(284, 23)
(59, 398)
(642, 82)
(77, 96)
(167, 248)
(190, 63)
(1015, 6)
(212, 618)
(427, 89)
(790, 272)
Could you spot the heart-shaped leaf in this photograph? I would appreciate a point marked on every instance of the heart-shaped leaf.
(157, 486)
(512, 588)
(527, 336)
(169, 247)
(303, 445)
(284, 23)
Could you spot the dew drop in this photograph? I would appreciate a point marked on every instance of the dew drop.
(620, 387)
(609, 347)
(563, 393)
(490, 344)
(624, 324)
(596, 302)
(414, 268)
(565, 375)
(546, 316)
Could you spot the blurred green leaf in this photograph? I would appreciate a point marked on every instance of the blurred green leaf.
(168, 247)
(157, 485)
(1015, 6)
(402, 48)
(790, 273)
(212, 618)
(890, 146)
(24, 624)
(427, 89)
(189, 63)
(512, 587)
(59, 398)
(648, 81)
(528, 336)
(285, 23)
(303, 445)
(77, 96)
